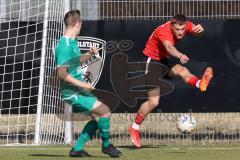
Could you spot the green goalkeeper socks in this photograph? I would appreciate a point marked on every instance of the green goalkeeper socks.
(104, 130)
(88, 131)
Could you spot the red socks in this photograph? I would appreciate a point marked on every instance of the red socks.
(138, 121)
(193, 81)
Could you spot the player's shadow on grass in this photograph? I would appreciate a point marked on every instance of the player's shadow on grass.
(47, 155)
(131, 147)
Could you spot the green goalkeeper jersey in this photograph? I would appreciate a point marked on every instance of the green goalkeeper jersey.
(68, 55)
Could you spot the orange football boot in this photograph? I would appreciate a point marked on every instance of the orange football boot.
(206, 78)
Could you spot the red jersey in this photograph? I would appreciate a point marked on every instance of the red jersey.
(155, 48)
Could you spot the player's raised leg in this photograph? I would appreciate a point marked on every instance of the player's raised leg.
(146, 107)
(188, 77)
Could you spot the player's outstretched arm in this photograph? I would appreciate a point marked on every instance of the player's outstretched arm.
(174, 52)
(64, 75)
(171, 49)
(86, 56)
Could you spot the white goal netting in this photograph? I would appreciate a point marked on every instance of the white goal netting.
(28, 29)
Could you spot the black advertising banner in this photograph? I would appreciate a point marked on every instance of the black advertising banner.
(217, 47)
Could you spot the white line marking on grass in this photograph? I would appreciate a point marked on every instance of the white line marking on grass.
(208, 148)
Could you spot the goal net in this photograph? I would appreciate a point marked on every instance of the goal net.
(28, 83)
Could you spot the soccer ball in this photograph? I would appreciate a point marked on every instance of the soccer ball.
(186, 124)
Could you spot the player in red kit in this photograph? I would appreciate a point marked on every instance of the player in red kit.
(160, 48)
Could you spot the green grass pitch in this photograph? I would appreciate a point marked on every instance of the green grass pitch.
(161, 152)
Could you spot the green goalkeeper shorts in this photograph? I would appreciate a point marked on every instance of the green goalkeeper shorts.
(82, 101)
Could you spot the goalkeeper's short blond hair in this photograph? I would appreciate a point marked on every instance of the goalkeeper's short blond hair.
(72, 17)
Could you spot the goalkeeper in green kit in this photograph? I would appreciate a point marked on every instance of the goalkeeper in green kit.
(78, 93)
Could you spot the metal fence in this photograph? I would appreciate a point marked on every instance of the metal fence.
(156, 9)
(132, 9)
